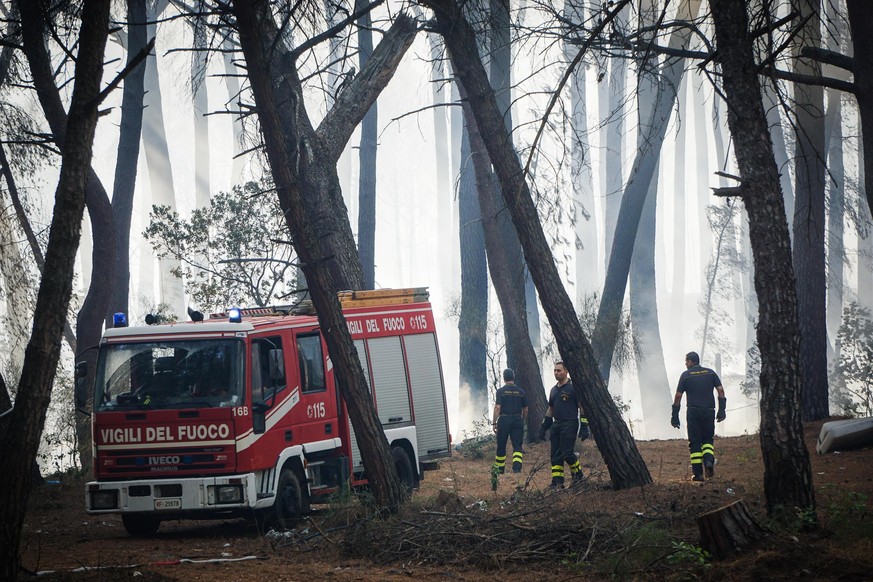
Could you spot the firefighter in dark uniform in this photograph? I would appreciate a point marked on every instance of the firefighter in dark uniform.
(698, 383)
(563, 417)
(510, 413)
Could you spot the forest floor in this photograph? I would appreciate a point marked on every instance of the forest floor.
(457, 528)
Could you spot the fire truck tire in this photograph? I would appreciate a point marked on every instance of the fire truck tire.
(292, 500)
(140, 526)
(403, 466)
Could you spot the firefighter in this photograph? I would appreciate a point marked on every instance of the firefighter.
(510, 413)
(565, 420)
(698, 383)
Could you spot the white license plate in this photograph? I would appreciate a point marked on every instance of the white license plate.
(168, 504)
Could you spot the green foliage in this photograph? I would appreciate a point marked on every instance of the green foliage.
(480, 444)
(845, 513)
(683, 552)
(852, 373)
(231, 252)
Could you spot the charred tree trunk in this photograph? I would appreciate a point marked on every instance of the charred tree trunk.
(809, 220)
(626, 466)
(367, 165)
(510, 283)
(95, 308)
(303, 163)
(473, 319)
(129, 137)
(787, 471)
(653, 128)
(655, 390)
(510, 295)
(861, 25)
(43, 350)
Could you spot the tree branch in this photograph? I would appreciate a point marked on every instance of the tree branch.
(130, 66)
(829, 57)
(352, 104)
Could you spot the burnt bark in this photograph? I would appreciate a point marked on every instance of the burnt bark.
(367, 164)
(861, 26)
(504, 254)
(473, 317)
(510, 294)
(43, 350)
(95, 308)
(129, 136)
(809, 220)
(655, 390)
(295, 164)
(623, 460)
(653, 128)
(787, 472)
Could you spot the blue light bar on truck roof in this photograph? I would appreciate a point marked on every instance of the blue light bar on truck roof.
(119, 320)
(234, 315)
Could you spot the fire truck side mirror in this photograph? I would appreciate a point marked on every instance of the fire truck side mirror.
(277, 365)
(81, 370)
(259, 417)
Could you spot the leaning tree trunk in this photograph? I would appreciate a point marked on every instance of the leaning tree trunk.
(655, 390)
(653, 128)
(787, 471)
(510, 295)
(43, 350)
(306, 168)
(626, 466)
(89, 323)
(503, 245)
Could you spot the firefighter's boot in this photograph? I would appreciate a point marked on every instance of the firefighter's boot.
(697, 469)
(709, 469)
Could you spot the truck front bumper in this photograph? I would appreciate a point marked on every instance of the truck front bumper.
(172, 496)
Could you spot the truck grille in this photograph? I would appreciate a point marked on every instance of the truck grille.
(181, 460)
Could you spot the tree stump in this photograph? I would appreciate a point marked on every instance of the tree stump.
(728, 529)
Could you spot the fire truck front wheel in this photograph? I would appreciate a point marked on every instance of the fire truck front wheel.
(139, 525)
(292, 500)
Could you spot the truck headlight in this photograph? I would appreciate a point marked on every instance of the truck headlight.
(104, 499)
(228, 494)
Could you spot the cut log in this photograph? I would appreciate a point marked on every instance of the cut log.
(728, 530)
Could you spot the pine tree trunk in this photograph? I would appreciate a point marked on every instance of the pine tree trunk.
(787, 471)
(473, 320)
(367, 165)
(303, 163)
(861, 25)
(623, 460)
(809, 219)
(21, 442)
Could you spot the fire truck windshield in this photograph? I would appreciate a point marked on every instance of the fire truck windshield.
(169, 374)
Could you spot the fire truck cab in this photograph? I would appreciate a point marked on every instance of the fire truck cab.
(240, 414)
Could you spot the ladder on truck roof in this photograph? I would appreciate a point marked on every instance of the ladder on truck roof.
(383, 297)
(347, 300)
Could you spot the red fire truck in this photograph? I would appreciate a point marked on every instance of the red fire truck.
(240, 415)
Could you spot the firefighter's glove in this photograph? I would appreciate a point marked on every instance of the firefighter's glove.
(546, 425)
(674, 420)
(720, 415)
(584, 431)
